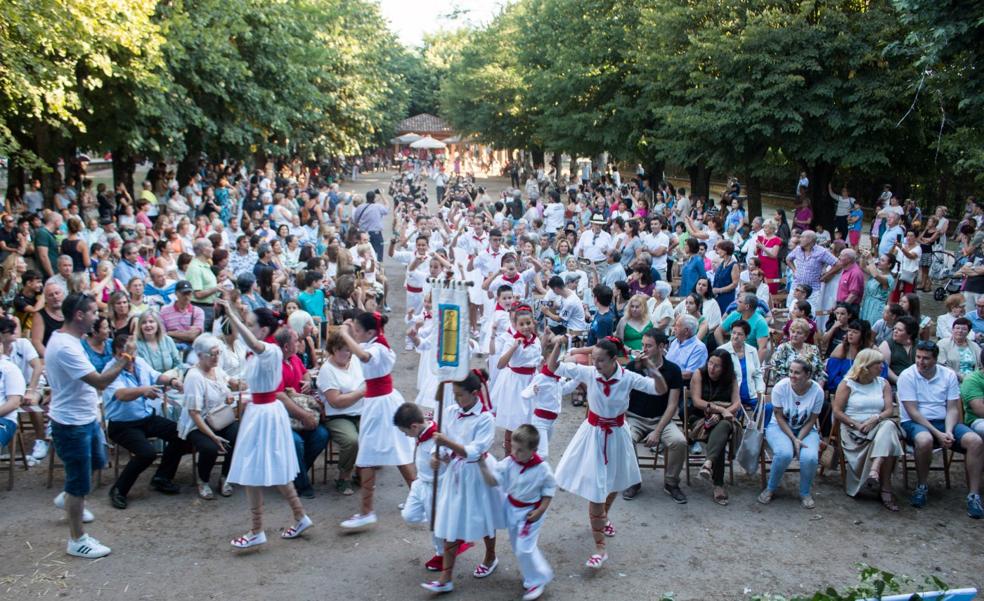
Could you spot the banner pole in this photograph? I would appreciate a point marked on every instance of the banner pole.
(437, 448)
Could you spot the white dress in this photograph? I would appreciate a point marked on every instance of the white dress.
(511, 409)
(427, 381)
(501, 326)
(264, 454)
(597, 463)
(828, 300)
(380, 442)
(467, 507)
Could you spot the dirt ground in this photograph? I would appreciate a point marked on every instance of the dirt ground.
(178, 547)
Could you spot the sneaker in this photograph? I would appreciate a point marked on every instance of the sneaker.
(225, 489)
(675, 493)
(484, 571)
(974, 509)
(919, 496)
(164, 485)
(534, 592)
(205, 492)
(630, 493)
(87, 547)
(294, 531)
(40, 450)
(808, 502)
(435, 564)
(249, 540)
(117, 498)
(436, 586)
(306, 493)
(87, 516)
(765, 497)
(358, 521)
(408, 346)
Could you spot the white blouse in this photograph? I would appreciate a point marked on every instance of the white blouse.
(264, 371)
(201, 394)
(381, 360)
(331, 377)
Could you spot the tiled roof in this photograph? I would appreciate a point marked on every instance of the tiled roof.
(424, 123)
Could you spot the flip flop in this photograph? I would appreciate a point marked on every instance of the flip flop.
(721, 498)
(888, 500)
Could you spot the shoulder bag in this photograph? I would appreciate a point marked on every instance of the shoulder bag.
(751, 440)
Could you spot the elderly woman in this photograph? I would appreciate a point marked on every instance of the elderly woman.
(726, 275)
(341, 383)
(205, 422)
(155, 346)
(797, 348)
(303, 325)
(876, 289)
(714, 393)
(748, 368)
(958, 352)
(954, 308)
(660, 308)
(796, 404)
(693, 268)
(869, 438)
(634, 322)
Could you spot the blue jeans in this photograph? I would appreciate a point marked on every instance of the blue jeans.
(912, 429)
(308, 444)
(81, 449)
(7, 430)
(782, 456)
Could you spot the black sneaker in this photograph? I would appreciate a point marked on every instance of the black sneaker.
(162, 484)
(117, 498)
(306, 493)
(675, 493)
(630, 493)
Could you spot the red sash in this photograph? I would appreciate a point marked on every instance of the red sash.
(517, 503)
(379, 386)
(606, 424)
(544, 414)
(523, 371)
(414, 289)
(263, 398)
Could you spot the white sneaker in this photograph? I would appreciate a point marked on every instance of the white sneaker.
(40, 450)
(87, 547)
(86, 514)
(360, 521)
(249, 540)
(295, 530)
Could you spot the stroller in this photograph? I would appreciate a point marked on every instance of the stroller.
(942, 274)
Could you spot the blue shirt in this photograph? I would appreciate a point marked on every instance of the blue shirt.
(692, 271)
(126, 271)
(139, 408)
(976, 321)
(691, 355)
(602, 325)
(99, 361)
(159, 296)
(890, 237)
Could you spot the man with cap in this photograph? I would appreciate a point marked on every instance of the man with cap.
(594, 243)
(183, 321)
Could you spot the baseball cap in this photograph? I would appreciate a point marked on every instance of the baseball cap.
(182, 286)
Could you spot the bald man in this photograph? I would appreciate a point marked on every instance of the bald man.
(851, 286)
(809, 261)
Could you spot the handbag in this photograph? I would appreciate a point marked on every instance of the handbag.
(309, 404)
(907, 276)
(699, 432)
(751, 440)
(221, 417)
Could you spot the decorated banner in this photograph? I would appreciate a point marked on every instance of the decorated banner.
(449, 301)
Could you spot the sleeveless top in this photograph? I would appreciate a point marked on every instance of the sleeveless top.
(632, 338)
(71, 248)
(899, 359)
(713, 392)
(50, 325)
(722, 278)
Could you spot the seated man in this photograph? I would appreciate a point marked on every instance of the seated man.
(972, 393)
(929, 400)
(650, 416)
(686, 352)
(12, 389)
(157, 292)
(131, 400)
(183, 321)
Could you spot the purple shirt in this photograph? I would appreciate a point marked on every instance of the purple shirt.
(807, 267)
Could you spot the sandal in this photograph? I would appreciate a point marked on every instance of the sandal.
(888, 500)
(720, 497)
(609, 530)
(344, 487)
(705, 473)
(596, 561)
(484, 571)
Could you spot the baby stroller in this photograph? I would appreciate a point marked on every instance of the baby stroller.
(942, 274)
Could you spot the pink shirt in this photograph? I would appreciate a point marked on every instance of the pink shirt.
(176, 320)
(851, 282)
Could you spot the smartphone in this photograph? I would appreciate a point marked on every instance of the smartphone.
(898, 238)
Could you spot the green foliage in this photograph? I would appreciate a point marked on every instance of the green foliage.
(874, 583)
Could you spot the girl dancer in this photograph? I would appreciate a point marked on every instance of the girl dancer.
(264, 453)
(544, 394)
(600, 460)
(522, 356)
(380, 442)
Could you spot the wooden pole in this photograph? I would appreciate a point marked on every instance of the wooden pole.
(437, 452)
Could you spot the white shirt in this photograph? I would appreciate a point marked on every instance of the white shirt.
(331, 377)
(11, 384)
(571, 313)
(203, 395)
(594, 246)
(527, 485)
(797, 408)
(21, 355)
(73, 402)
(931, 395)
(553, 217)
(617, 401)
(655, 241)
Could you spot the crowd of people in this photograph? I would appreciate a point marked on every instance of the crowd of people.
(242, 315)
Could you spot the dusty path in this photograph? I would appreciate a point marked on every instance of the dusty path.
(177, 547)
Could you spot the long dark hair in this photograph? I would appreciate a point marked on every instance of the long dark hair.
(718, 390)
(914, 311)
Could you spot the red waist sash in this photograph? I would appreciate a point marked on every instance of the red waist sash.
(414, 289)
(523, 371)
(606, 424)
(263, 398)
(517, 503)
(379, 386)
(544, 414)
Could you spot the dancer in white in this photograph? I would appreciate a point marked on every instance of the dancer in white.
(544, 395)
(518, 362)
(380, 442)
(264, 454)
(600, 460)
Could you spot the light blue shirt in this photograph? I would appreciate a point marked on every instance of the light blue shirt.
(890, 237)
(126, 271)
(139, 408)
(690, 355)
(977, 322)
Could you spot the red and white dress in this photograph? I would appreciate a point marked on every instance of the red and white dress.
(381, 442)
(544, 394)
(523, 487)
(511, 409)
(601, 459)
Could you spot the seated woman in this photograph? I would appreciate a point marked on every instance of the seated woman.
(958, 351)
(954, 305)
(857, 338)
(207, 389)
(869, 437)
(341, 382)
(748, 369)
(303, 324)
(693, 305)
(714, 393)
(796, 404)
(634, 323)
(155, 347)
(801, 310)
(797, 348)
(97, 344)
(899, 352)
(837, 328)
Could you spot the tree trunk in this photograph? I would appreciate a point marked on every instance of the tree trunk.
(187, 167)
(753, 190)
(124, 165)
(700, 180)
(16, 183)
(654, 171)
(538, 155)
(824, 207)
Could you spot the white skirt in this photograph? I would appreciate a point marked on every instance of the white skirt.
(381, 442)
(264, 453)
(467, 507)
(511, 409)
(583, 471)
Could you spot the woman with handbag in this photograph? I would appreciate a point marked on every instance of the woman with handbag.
(869, 437)
(208, 418)
(714, 392)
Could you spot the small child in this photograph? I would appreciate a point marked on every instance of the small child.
(518, 361)
(545, 393)
(497, 326)
(528, 486)
(467, 508)
(417, 509)
(312, 299)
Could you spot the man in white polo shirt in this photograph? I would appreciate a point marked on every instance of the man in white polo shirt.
(596, 242)
(74, 414)
(929, 409)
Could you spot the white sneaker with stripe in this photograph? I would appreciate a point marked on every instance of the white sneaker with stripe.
(87, 547)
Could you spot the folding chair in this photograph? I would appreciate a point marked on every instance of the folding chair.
(330, 458)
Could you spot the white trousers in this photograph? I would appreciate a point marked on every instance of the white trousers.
(418, 507)
(545, 428)
(532, 564)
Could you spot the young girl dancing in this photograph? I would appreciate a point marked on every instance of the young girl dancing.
(600, 460)
(521, 356)
(380, 442)
(544, 395)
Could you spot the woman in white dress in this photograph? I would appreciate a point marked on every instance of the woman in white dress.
(518, 363)
(264, 454)
(600, 460)
(380, 441)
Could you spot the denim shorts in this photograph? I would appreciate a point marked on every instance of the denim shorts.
(7, 430)
(911, 428)
(81, 449)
